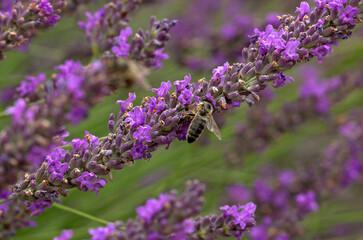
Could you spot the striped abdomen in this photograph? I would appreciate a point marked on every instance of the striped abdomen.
(196, 128)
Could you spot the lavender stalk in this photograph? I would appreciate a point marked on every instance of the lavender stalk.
(172, 217)
(45, 105)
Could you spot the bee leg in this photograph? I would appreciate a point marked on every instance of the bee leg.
(190, 116)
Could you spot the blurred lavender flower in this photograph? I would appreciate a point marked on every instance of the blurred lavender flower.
(13, 216)
(342, 164)
(203, 47)
(122, 48)
(306, 202)
(171, 217)
(316, 98)
(206, 46)
(65, 235)
(67, 98)
(284, 201)
(130, 63)
(7, 95)
(107, 23)
(107, 29)
(18, 24)
(147, 46)
(6, 6)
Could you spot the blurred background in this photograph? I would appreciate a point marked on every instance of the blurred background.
(258, 142)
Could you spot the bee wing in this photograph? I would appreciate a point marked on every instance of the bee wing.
(213, 127)
(139, 73)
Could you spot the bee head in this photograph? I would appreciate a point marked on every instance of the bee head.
(121, 65)
(207, 106)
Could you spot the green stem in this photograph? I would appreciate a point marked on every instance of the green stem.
(3, 201)
(79, 213)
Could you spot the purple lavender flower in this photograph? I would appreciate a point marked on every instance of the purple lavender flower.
(303, 10)
(186, 96)
(306, 202)
(47, 10)
(336, 5)
(136, 118)
(5, 6)
(321, 3)
(218, 73)
(322, 52)
(238, 193)
(260, 232)
(105, 24)
(242, 82)
(38, 207)
(67, 98)
(272, 19)
(138, 151)
(107, 30)
(151, 207)
(92, 23)
(349, 14)
(7, 95)
(352, 172)
(171, 217)
(87, 182)
(282, 79)
(182, 84)
(143, 133)
(243, 214)
(55, 167)
(127, 104)
(121, 48)
(285, 201)
(102, 232)
(65, 235)
(312, 87)
(287, 177)
(21, 21)
(218, 45)
(4, 196)
(13, 216)
(290, 51)
(163, 90)
(28, 87)
(316, 97)
(17, 111)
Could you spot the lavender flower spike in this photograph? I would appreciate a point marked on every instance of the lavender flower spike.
(171, 217)
(166, 114)
(107, 22)
(18, 24)
(68, 96)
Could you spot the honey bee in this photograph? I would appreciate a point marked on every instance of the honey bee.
(202, 118)
(125, 72)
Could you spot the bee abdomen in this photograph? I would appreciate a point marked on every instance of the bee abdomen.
(195, 129)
